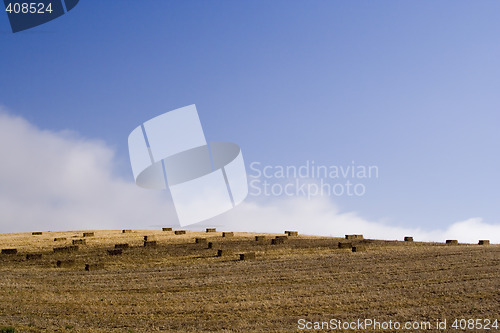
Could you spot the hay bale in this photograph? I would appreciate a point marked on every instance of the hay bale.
(484, 242)
(150, 244)
(36, 233)
(33, 256)
(166, 229)
(277, 241)
(344, 245)
(9, 251)
(211, 230)
(180, 232)
(69, 248)
(210, 245)
(121, 246)
(201, 240)
(452, 242)
(292, 233)
(408, 239)
(59, 239)
(94, 267)
(227, 234)
(65, 263)
(353, 236)
(79, 242)
(247, 256)
(223, 252)
(260, 238)
(126, 231)
(358, 248)
(115, 252)
(88, 234)
(282, 238)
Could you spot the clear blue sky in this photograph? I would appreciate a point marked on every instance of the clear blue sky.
(412, 87)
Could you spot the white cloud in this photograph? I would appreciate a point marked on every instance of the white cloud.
(319, 216)
(59, 181)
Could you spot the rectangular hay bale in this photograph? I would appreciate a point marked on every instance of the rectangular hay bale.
(65, 263)
(200, 240)
(247, 256)
(353, 236)
(88, 234)
(37, 233)
(227, 234)
(126, 231)
(150, 244)
(94, 267)
(180, 232)
(69, 248)
(79, 242)
(59, 239)
(276, 241)
(223, 252)
(358, 248)
(33, 256)
(166, 229)
(211, 230)
(408, 239)
(292, 233)
(452, 242)
(484, 242)
(115, 252)
(9, 251)
(344, 245)
(260, 238)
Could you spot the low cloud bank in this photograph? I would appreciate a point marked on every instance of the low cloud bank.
(319, 216)
(60, 181)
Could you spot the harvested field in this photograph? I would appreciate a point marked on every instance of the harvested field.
(181, 286)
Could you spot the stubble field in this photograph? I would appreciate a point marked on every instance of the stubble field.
(179, 285)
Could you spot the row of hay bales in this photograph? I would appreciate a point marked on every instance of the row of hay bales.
(243, 256)
(69, 263)
(231, 234)
(452, 241)
(118, 250)
(200, 240)
(206, 230)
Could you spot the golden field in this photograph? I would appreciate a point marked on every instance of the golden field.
(185, 287)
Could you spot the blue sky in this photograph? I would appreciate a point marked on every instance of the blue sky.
(411, 87)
